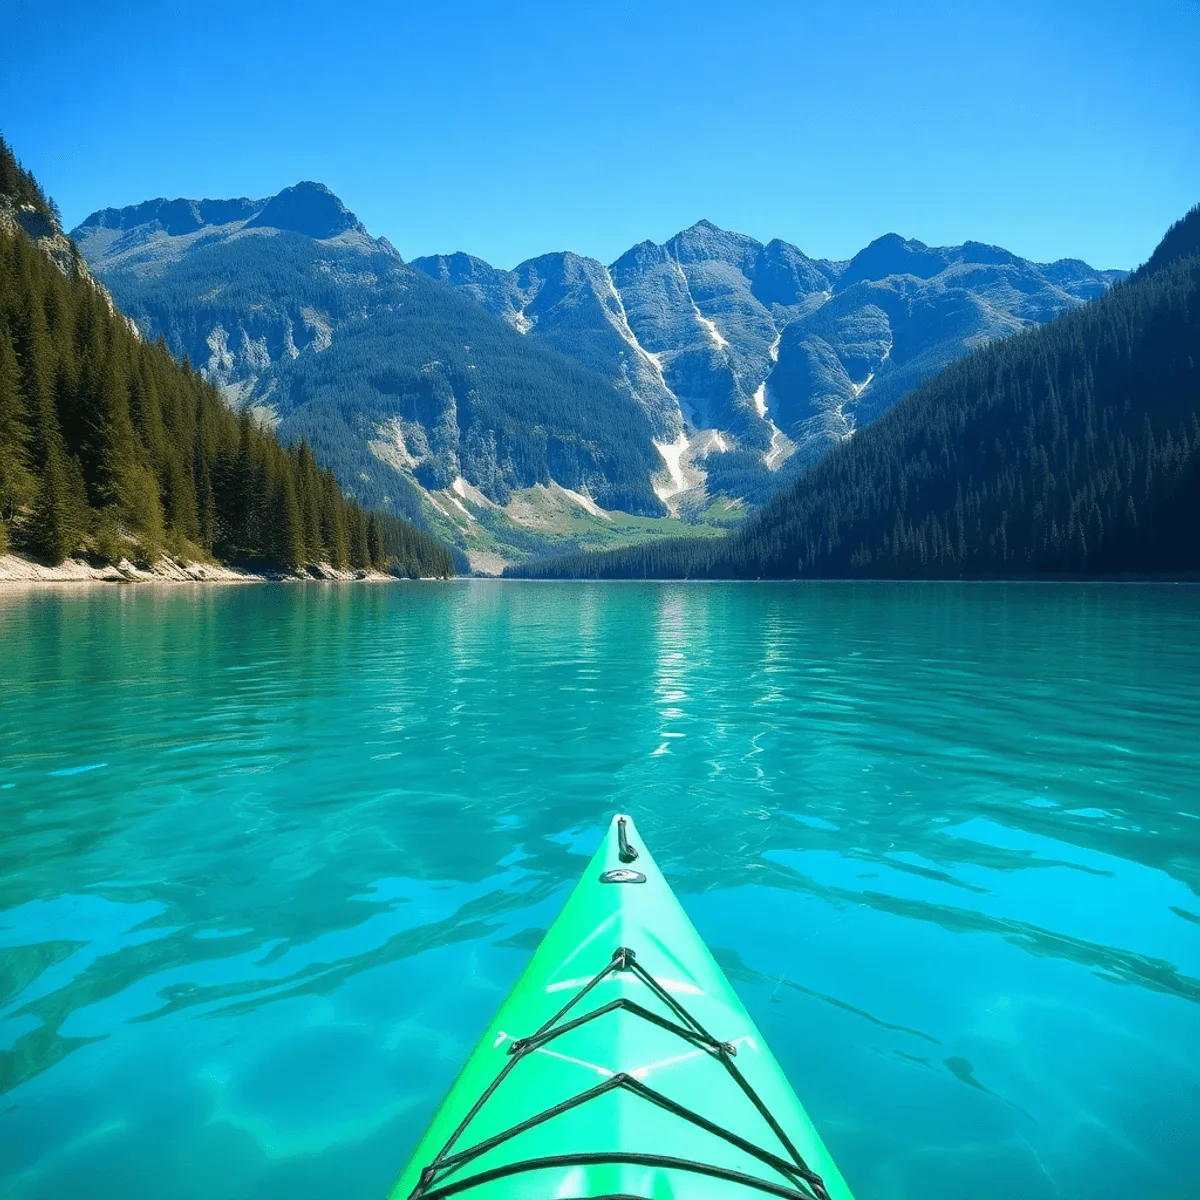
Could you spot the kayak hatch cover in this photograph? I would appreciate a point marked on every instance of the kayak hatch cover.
(622, 1065)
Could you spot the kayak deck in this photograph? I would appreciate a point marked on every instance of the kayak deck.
(622, 1065)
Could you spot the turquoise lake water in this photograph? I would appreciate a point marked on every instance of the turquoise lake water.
(270, 857)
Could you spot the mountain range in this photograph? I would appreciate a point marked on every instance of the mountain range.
(565, 403)
(752, 360)
(1072, 448)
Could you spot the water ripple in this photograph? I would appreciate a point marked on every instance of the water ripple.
(270, 857)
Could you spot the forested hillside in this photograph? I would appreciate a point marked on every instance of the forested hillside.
(1073, 448)
(110, 448)
(400, 384)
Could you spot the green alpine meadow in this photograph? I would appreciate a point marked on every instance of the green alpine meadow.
(599, 602)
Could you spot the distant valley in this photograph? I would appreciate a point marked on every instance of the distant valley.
(565, 404)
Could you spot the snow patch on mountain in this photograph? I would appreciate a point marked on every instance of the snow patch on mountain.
(468, 491)
(859, 388)
(713, 332)
(782, 447)
(760, 399)
(676, 484)
(681, 459)
(620, 322)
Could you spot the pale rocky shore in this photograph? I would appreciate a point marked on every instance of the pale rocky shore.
(17, 570)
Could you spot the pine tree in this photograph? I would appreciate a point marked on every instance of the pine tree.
(206, 512)
(54, 529)
(146, 410)
(108, 448)
(180, 498)
(244, 494)
(375, 550)
(56, 524)
(16, 480)
(360, 554)
(141, 511)
(289, 526)
(308, 483)
(333, 523)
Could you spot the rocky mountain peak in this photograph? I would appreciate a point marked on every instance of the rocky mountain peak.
(640, 256)
(308, 208)
(892, 254)
(705, 241)
(784, 274)
(982, 252)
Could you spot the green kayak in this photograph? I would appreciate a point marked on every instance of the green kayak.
(622, 1065)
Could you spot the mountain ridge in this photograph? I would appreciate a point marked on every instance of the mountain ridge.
(719, 366)
(304, 207)
(709, 311)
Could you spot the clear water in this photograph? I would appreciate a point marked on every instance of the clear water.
(271, 856)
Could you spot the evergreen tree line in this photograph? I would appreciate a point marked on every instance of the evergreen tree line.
(1073, 448)
(110, 447)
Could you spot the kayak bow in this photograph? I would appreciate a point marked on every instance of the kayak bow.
(622, 1065)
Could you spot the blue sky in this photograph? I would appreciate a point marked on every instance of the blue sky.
(1055, 129)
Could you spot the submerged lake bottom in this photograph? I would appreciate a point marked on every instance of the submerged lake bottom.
(271, 857)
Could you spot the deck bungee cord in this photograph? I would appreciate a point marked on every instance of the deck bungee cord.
(719, 1118)
(806, 1183)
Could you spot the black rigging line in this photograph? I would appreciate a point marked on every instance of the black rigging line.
(803, 1182)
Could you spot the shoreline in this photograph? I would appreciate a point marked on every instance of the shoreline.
(24, 572)
(1181, 580)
